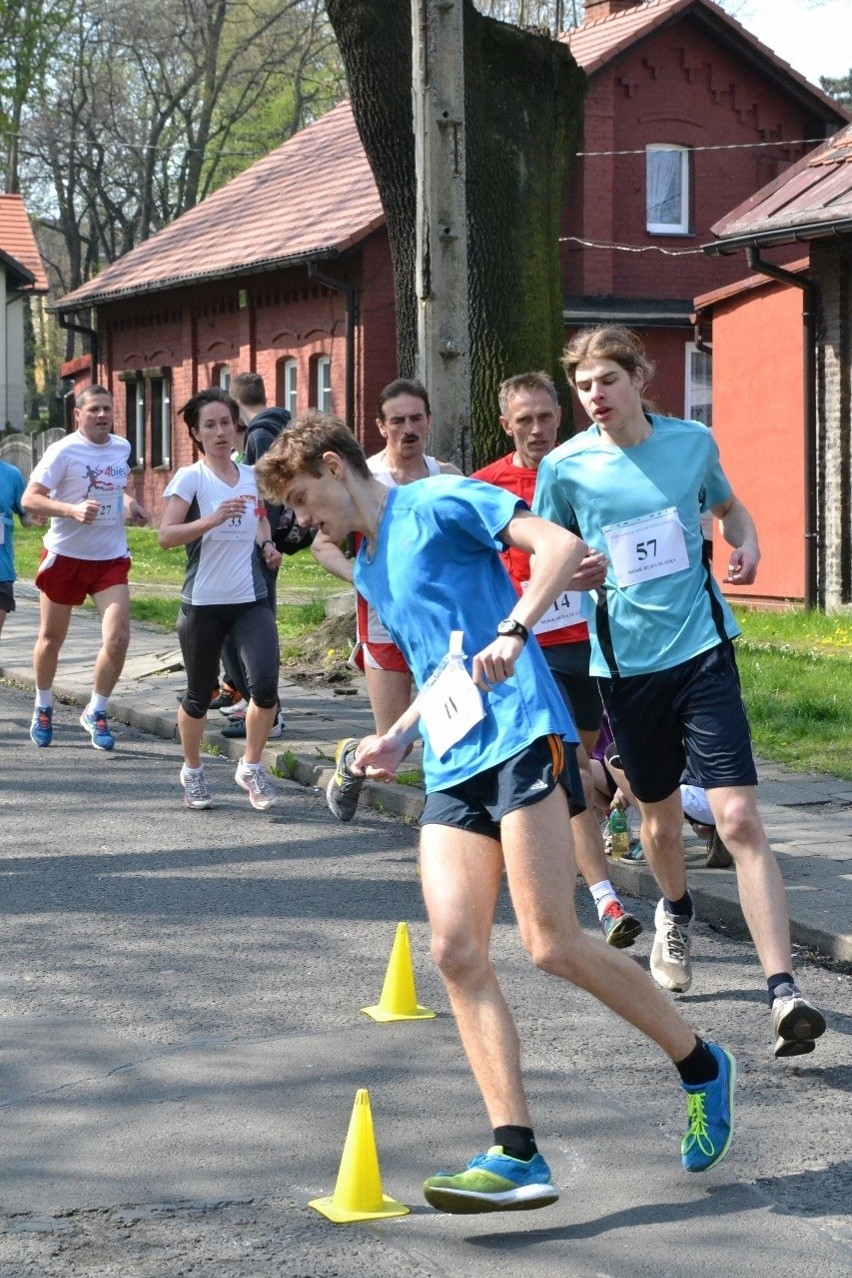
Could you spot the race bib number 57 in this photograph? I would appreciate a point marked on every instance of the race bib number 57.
(646, 548)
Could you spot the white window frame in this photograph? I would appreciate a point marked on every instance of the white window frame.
(681, 226)
(324, 403)
(290, 383)
(137, 426)
(691, 385)
(223, 377)
(161, 431)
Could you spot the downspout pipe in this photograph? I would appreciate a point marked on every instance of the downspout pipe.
(756, 263)
(351, 294)
(87, 331)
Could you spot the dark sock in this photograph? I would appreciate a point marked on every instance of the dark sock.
(683, 907)
(700, 1066)
(780, 978)
(517, 1142)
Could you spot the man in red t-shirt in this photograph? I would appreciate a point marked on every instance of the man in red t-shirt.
(530, 416)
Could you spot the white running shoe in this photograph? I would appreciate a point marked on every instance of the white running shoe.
(670, 965)
(260, 789)
(195, 792)
(235, 708)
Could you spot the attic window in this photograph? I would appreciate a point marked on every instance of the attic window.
(667, 189)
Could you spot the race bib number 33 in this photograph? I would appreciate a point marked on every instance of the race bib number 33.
(646, 548)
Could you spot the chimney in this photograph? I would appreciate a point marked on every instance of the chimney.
(596, 9)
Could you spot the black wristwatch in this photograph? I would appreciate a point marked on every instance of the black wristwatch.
(512, 627)
(268, 542)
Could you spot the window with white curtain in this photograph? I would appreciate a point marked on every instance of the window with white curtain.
(291, 386)
(667, 189)
(324, 384)
(135, 418)
(161, 421)
(698, 386)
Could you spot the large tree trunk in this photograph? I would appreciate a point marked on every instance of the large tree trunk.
(523, 102)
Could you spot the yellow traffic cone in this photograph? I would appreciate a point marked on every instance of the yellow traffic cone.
(358, 1192)
(398, 1001)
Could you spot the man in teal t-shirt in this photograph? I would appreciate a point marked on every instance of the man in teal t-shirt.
(11, 492)
(634, 486)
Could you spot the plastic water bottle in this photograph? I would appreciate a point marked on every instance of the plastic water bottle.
(619, 833)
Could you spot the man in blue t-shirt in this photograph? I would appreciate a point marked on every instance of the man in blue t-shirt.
(501, 778)
(634, 486)
(11, 492)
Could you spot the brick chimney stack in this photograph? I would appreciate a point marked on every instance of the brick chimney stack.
(596, 9)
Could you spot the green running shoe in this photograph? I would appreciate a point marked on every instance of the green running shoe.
(493, 1182)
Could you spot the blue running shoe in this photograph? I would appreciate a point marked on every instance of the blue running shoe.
(493, 1182)
(710, 1111)
(41, 727)
(97, 726)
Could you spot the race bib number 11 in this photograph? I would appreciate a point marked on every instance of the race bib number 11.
(450, 702)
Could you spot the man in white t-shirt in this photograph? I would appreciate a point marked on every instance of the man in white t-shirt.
(79, 485)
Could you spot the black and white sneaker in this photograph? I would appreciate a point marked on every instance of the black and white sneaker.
(344, 788)
(796, 1022)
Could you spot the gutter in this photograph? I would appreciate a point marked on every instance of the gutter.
(768, 238)
(95, 298)
(351, 293)
(756, 263)
(87, 331)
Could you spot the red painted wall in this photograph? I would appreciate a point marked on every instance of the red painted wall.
(758, 420)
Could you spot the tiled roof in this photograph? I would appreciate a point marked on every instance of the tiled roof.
(596, 43)
(811, 199)
(311, 197)
(17, 242)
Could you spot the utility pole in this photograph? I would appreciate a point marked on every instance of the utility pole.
(443, 331)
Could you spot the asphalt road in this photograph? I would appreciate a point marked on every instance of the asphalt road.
(181, 1041)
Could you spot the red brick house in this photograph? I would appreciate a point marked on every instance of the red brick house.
(285, 271)
(782, 383)
(687, 114)
(243, 281)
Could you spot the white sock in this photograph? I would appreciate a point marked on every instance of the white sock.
(245, 763)
(602, 895)
(187, 768)
(44, 698)
(97, 703)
